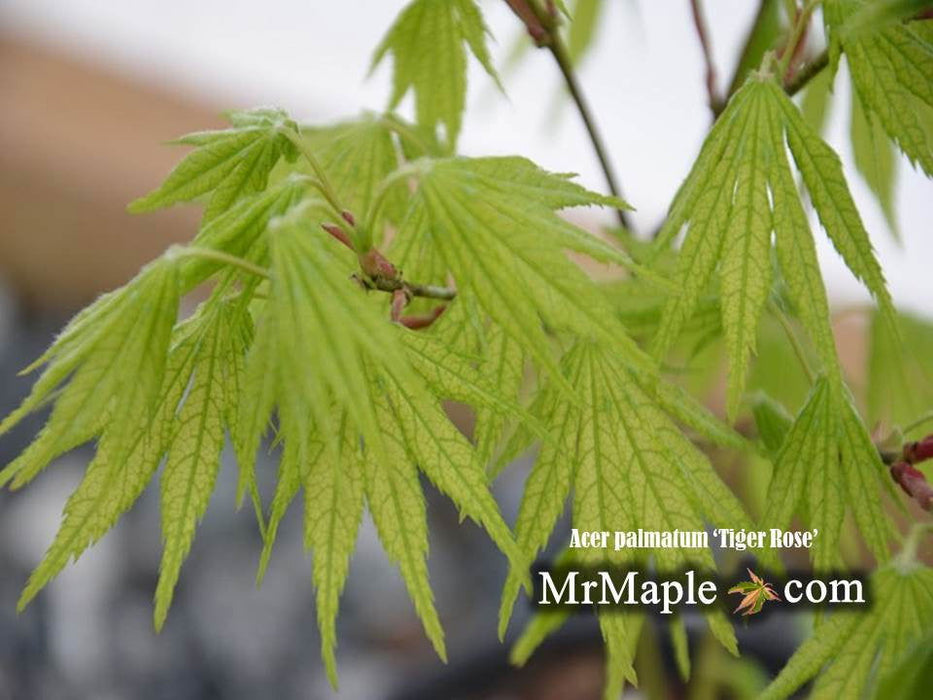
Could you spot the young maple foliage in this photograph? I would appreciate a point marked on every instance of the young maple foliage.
(853, 649)
(304, 338)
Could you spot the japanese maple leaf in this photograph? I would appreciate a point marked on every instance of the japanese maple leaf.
(755, 593)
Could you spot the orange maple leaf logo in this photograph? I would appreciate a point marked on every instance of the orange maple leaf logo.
(755, 593)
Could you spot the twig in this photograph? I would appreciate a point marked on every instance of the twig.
(431, 292)
(807, 72)
(563, 62)
(542, 27)
(410, 289)
(796, 38)
(760, 17)
(361, 239)
(792, 86)
(703, 35)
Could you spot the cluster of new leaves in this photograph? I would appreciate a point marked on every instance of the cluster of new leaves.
(286, 338)
(746, 227)
(293, 344)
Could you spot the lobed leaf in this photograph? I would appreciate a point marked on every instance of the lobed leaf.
(628, 468)
(508, 252)
(741, 193)
(197, 440)
(428, 43)
(853, 649)
(226, 164)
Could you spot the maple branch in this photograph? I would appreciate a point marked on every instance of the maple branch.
(382, 275)
(747, 47)
(566, 68)
(542, 27)
(699, 24)
(798, 34)
(792, 84)
(807, 72)
(411, 289)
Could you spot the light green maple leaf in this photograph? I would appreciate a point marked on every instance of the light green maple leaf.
(738, 195)
(900, 379)
(197, 436)
(504, 364)
(491, 221)
(826, 467)
(428, 43)
(104, 372)
(226, 164)
(891, 64)
(453, 375)
(874, 157)
(628, 467)
(416, 436)
(328, 364)
(115, 480)
(854, 648)
(241, 230)
(333, 488)
(357, 156)
(581, 32)
(325, 329)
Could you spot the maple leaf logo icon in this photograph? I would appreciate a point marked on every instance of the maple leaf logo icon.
(755, 593)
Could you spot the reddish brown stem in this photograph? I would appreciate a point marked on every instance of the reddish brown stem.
(399, 302)
(423, 320)
(339, 234)
(703, 35)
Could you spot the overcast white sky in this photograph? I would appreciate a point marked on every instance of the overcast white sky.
(645, 80)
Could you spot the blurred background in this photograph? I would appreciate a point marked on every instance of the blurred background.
(89, 91)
